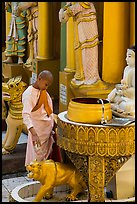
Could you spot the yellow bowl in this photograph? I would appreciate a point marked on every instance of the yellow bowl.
(89, 110)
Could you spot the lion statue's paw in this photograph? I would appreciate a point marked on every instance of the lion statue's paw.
(4, 151)
(48, 196)
(71, 197)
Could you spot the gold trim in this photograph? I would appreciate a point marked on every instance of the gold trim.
(19, 28)
(19, 23)
(81, 15)
(90, 40)
(90, 46)
(21, 50)
(85, 5)
(69, 12)
(105, 141)
(87, 46)
(85, 20)
(22, 15)
(23, 38)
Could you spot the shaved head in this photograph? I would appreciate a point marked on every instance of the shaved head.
(45, 74)
(44, 80)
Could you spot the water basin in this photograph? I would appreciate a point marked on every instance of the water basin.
(89, 110)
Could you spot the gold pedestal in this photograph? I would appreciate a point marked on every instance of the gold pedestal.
(64, 90)
(97, 151)
(13, 70)
(100, 89)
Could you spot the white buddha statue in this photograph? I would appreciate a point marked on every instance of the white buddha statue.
(122, 97)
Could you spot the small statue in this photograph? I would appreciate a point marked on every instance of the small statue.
(51, 174)
(32, 36)
(16, 39)
(12, 93)
(122, 97)
(85, 40)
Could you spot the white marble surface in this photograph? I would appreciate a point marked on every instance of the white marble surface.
(9, 184)
(63, 117)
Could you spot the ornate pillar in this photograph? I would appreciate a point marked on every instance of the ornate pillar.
(63, 43)
(70, 66)
(132, 23)
(66, 76)
(96, 180)
(8, 18)
(45, 41)
(115, 40)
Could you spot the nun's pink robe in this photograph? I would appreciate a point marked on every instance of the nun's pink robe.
(40, 121)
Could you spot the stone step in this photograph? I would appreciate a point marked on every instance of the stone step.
(15, 162)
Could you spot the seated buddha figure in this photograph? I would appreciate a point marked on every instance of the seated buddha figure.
(122, 97)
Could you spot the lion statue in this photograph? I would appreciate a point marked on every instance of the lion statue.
(51, 174)
(11, 94)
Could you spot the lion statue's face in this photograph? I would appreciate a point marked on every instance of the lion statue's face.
(34, 170)
(13, 89)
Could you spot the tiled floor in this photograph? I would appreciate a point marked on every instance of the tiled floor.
(9, 184)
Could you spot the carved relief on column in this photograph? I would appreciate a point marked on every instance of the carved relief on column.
(96, 179)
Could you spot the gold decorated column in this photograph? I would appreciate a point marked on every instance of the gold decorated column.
(45, 40)
(8, 19)
(132, 23)
(68, 73)
(116, 38)
(70, 62)
(96, 178)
